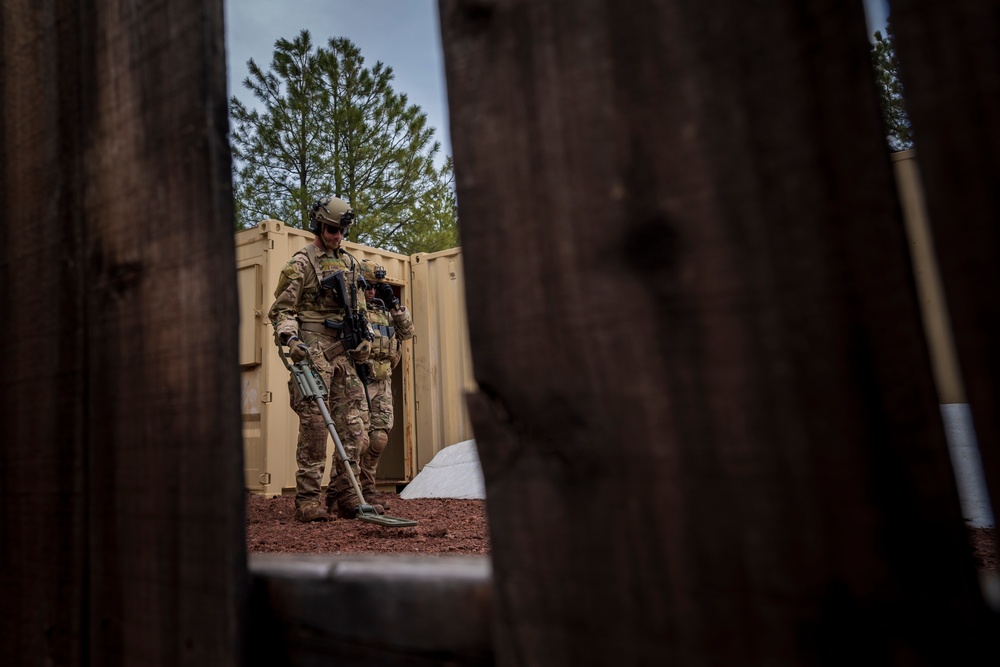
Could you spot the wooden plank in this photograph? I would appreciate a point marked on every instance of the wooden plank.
(396, 611)
(950, 68)
(122, 515)
(706, 415)
(41, 512)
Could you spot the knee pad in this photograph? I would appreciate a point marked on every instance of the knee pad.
(377, 440)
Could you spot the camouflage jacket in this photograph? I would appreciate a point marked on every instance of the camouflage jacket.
(298, 297)
(390, 330)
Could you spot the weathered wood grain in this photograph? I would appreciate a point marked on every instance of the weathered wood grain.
(349, 609)
(121, 514)
(707, 420)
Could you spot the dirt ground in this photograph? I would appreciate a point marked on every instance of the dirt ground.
(446, 526)
(984, 550)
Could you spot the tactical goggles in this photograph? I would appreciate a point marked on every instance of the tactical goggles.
(345, 224)
(333, 229)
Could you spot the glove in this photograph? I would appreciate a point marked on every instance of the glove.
(361, 352)
(384, 292)
(297, 350)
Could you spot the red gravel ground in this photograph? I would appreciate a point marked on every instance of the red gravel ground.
(446, 526)
(984, 549)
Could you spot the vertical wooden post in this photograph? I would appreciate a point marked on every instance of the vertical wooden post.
(706, 420)
(121, 514)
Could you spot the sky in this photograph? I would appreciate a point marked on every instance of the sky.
(876, 12)
(403, 34)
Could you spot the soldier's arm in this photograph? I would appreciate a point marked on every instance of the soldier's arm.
(287, 295)
(403, 323)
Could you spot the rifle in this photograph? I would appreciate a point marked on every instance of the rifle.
(354, 327)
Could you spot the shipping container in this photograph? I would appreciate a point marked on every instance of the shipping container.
(428, 384)
(442, 357)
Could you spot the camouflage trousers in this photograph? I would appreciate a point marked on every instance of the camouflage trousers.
(380, 393)
(349, 411)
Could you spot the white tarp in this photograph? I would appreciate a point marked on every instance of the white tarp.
(964, 450)
(454, 472)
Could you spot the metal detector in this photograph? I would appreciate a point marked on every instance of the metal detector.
(312, 387)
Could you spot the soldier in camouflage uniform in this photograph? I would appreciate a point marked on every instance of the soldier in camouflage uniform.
(392, 324)
(299, 310)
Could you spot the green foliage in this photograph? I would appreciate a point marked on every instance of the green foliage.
(329, 125)
(431, 224)
(899, 134)
(277, 149)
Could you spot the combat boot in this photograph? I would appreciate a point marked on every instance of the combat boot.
(331, 500)
(377, 497)
(311, 511)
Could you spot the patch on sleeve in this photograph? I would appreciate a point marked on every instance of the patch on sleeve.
(291, 273)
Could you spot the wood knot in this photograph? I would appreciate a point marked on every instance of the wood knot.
(651, 245)
(125, 276)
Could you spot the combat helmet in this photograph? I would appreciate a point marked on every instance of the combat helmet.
(330, 211)
(372, 272)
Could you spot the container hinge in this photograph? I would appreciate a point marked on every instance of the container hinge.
(266, 397)
(265, 479)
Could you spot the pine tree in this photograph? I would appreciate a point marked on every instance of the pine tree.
(383, 149)
(279, 152)
(899, 134)
(432, 224)
(330, 125)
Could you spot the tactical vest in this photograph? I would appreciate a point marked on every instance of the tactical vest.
(315, 304)
(386, 349)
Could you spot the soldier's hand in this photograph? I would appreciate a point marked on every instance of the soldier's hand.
(297, 350)
(361, 352)
(384, 292)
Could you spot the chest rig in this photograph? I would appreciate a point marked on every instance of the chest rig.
(319, 304)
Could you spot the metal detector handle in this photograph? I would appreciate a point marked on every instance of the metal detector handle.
(309, 382)
(281, 351)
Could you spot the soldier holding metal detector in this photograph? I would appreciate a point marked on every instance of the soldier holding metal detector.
(322, 322)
